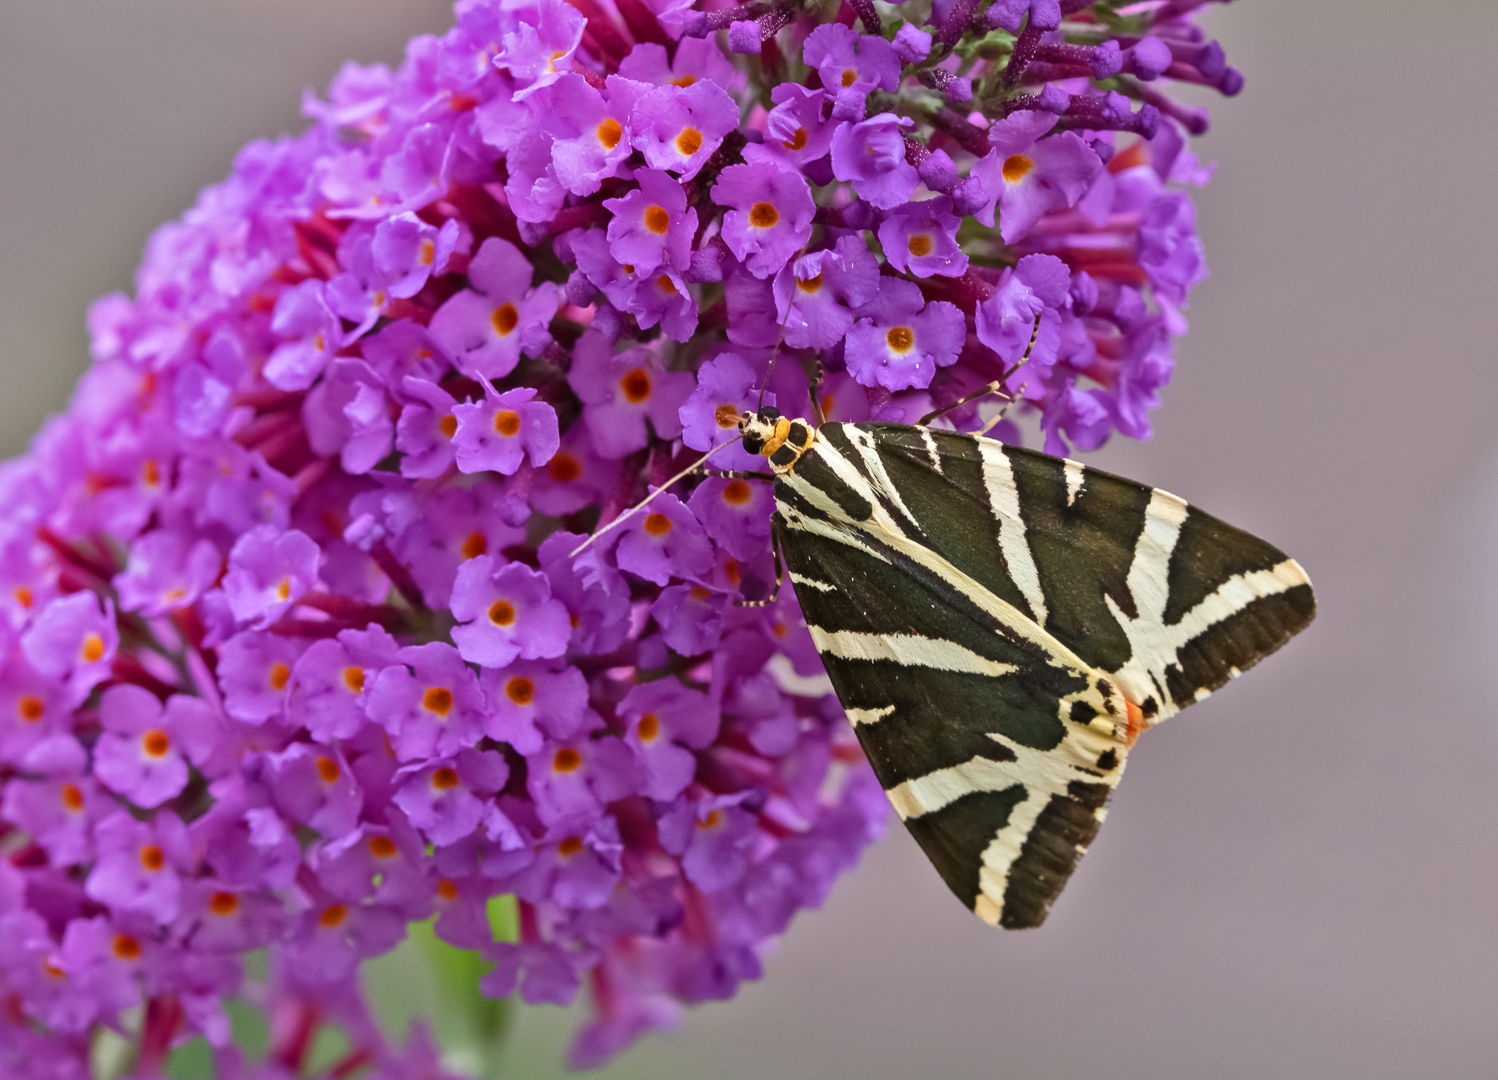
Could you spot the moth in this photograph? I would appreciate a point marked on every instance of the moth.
(1000, 626)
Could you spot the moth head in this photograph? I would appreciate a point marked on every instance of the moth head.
(758, 428)
(773, 436)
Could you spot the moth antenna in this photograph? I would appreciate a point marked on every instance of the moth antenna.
(646, 500)
(995, 387)
(779, 337)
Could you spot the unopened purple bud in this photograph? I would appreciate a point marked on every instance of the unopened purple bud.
(705, 265)
(912, 44)
(1107, 59)
(743, 37)
(1147, 58)
(938, 171)
(1052, 99)
(580, 290)
(1230, 82)
(968, 197)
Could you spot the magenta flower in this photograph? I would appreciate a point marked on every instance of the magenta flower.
(652, 226)
(1025, 175)
(678, 128)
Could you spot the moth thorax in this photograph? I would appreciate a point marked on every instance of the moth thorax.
(775, 437)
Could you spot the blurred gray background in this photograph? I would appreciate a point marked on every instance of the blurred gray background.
(1299, 877)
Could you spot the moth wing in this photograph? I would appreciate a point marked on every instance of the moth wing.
(1170, 600)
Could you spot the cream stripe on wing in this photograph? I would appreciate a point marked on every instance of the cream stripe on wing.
(1003, 500)
(908, 650)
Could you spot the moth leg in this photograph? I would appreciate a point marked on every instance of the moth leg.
(779, 578)
(813, 388)
(738, 474)
(995, 387)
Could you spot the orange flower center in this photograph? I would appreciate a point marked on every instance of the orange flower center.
(279, 674)
(564, 468)
(1016, 167)
(504, 319)
(382, 847)
(72, 797)
(570, 846)
(353, 678)
(657, 524)
(609, 133)
(636, 385)
(474, 545)
(332, 916)
(30, 707)
(502, 613)
(688, 142)
(657, 220)
(736, 493)
(919, 244)
(796, 141)
(446, 889)
(566, 760)
(448, 425)
(125, 947)
(650, 727)
(223, 903)
(155, 743)
(437, 700)
(151, 858)
(810, 285)
(726, 416)
(93, 648)
(327, 769)
(507, 422)
(428, 253)
(900, 339)
(762, 215)
(520, 690)
(445, 778)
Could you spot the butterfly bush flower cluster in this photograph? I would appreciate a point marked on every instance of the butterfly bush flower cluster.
(296, 650)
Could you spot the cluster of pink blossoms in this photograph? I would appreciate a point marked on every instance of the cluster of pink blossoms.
(292, 648)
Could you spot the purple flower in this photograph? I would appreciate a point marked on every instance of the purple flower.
(408, 251)
(167, 571)
(446, 798)
(269, 571)
(652, 226)
(871, 154)
(795, 128)
(253, 670)
(497, 433)
(771, 213)
(137, 867)
(735, 513)
(727, 387)
(313, 786)
(903, 340)
(621, 392)
(664, 543)
(587, 132)
(73, 642)
(486, 328)
(1024, 178)
(574, 780)
(678, 128)
(921, 238)
(424, 433)
(851, 65)
(506, 612)
(144, 749)
(1036, 288)
(431, 708)
(815, 296)
(347, 413)
(528, 696)
(302, 313)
